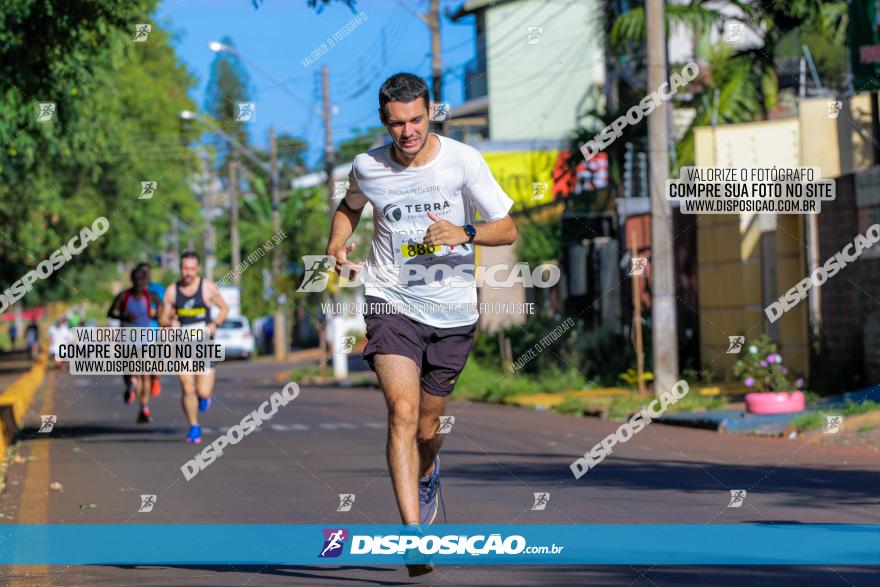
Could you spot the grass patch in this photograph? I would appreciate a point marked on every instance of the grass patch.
(301, 373)
(478, 382)
(623, 406)
(627, 405)
(809, 421)
(867, 428)
(312, 374)
(812, 420)
(694, 402)
(576, 406)
(852, 408)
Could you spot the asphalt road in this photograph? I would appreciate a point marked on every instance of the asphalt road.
(330, 440)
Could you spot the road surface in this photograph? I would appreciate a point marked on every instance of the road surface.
(330, 440)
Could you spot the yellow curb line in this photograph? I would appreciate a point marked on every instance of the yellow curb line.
(547, 400)
(34, 505)
(16, 399)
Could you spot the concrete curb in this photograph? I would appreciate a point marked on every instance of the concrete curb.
(16, 399)
(549, 400)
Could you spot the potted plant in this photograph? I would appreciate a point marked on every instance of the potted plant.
(761, 369)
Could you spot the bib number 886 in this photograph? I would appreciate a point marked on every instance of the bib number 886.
(418, 249)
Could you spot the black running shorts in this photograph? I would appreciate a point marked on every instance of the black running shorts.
(440, 353)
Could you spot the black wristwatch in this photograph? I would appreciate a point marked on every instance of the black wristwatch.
(471, 232)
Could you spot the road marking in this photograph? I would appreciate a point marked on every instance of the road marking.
(304, 427)
(336, 425)
(34, 506)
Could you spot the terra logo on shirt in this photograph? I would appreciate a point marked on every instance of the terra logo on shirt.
(394, 212)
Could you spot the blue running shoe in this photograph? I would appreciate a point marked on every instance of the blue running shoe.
(430, 498)
(204, 404)
(195, 434)
(416, 563)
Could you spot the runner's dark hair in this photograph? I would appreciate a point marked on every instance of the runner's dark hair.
(137, 268)
(190, 255)
(402, 87)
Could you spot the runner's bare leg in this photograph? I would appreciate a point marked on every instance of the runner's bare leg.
(399, 379)
(143, 389)
(188, 399)
(205, 384)
(429, 441)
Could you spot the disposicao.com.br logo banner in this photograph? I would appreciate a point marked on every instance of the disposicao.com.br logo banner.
(476, 544)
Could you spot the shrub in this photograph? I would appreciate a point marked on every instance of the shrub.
(480, 382)
(761, 368)
(596, 354)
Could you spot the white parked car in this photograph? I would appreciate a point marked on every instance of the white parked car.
(235, 336)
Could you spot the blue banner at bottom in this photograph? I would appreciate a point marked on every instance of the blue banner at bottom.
(245, 544)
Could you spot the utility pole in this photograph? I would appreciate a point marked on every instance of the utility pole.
(433, 21)
(329, 153)
(207, 204)
(175, 238)
(233, 224)
(331, 323)
(637, 318)
(664, 327)
(280, 327)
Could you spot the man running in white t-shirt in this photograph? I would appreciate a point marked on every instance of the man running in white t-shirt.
(425, 190)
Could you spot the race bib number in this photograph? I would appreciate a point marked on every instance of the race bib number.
(407, 249)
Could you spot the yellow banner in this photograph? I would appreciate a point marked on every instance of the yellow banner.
(517, 172)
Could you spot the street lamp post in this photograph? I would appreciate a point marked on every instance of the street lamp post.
(280, 329)
(216, 46)
(233, 221)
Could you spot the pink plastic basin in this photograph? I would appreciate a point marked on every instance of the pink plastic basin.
(775, 402)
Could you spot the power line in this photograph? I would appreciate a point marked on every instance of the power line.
(516, 41)
(343, 76)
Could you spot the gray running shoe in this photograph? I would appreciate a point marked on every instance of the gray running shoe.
(430, 497)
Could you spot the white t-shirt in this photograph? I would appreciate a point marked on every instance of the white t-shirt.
(58, 336)
(454, 185)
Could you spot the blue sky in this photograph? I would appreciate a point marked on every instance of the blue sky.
(281, 33)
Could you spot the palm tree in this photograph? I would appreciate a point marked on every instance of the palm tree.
(742, 85)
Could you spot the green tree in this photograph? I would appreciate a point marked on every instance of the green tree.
(116, 125)
(745, 81)
(292, 153)
(228, 85)
(304, 219)
(362, 141)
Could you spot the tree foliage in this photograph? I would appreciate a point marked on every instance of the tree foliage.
(303, 218)
(362, 141)
(742, 84)
(228, 85)
(116, 125)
